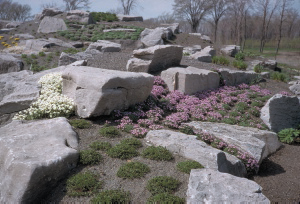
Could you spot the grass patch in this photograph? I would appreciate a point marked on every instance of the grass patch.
(157, 153)
(279, 76)
(83, 184)
(104, 146)
(122, 151)
(240, 56)
(132, 142)
(89, 157)
(71, 51)
(80, 123)
(220, 60)
(133, 170)
(239, 64)
(165, 198)
(109, 131)
(112, 197)
(187, 166)
(162, 184)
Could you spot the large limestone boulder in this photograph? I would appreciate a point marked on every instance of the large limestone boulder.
(295, 87)
(211, 186)
(281, 112)
(66, 58)
(13, 24)
(51, 25)
(152, 37)
(98, 91)
(233, 77)
(230, 50)
(9, 63)
(154, 59)
(202, 37)
(39, 44)
(34, 157)
(129, 18)
(79, 16)
(191, 148)
(190, 80)
(173, 26)
(205, 55)
(104, 46)
(191, 50)
(258, 143)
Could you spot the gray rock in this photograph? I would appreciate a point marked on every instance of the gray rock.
(6, 30)
(253, 64)
(152, 37)
(13, 24)
(191, 148)
(66, 59)
(229, 50)
(154, 59)
(190, 80)
(98, 91)
(34, 157)
(51, 25)
(129, 18)
(211, 186)
(281, 112)
(104, 46)
(233, 77)
(203, 37)
(49, 12)
(119, 30)
(39, 44)
(77, 44)
(8, 63)
(79, 63)
(270, 64)
(25, 36)
(295, 88)
(258, 143)
(173, 26)
(265, 75)
(192, 50)
(205, 55)
(79, 16)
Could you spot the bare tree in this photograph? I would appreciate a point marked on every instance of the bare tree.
(14, 11)
(49, 5)
(166, 18)
(192, 10)
(291, 18)
(128, 6)
(76, 4)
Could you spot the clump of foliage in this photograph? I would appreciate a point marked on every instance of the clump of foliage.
(104, 146)
(89, 157)
(258, 68)
(133, 170)
(240, 56)
(132, 142)
(104, 16)
(186, 54)
(162, 184)
(109, 131)
(187, 166)
(42, 54)
(112, 196)
(122, 151)
(83, 184)
(71, 50)
(186, 130)
(289, 135)
(240, 64)
(157, 153)
(220, 60)
(279, 76)
(165, 198)
(80, 123)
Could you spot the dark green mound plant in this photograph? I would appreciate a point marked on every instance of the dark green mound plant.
(187, 166)
(80, 123)
(71, 51)
(157, 153)
(133, 170)
(112, 197)
(240, 56)
(89, 157)
(83, 184)
(104, 146)
(240, 64)
(132, 142)
(258, 68)
(279, 76)
(109, 131)
(289, 135)
(122, 151)
(162, 184)
(186, 130)
(220, 60)
(166, 198)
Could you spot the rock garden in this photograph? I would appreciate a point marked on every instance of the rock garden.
(99, 110)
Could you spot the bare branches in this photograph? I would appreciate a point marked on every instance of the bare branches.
(76, 4)
(14, 11)
(128, 6)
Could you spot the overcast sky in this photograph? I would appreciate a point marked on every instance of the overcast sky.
(147, 9)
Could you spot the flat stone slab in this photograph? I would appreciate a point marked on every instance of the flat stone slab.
(104, 46)
(211, 186)
(233, 77)
(191, 148)
(8, 63)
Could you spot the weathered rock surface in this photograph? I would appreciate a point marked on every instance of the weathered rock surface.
(233, 77)
(190, 80)
(192, 50)
(119, 30)
(281, 112)
(205, 55)
(104, 46)
(173, 26)
(66, 59)
(34, 156)
(52, 25)
(13, 24)
(79, 16)
(295, 88)
(211, 186)
(230, 50)
(152, 37)
(202, 37)
(129, 18)
(39, 44)
(9, 63)
(6, 30)
(270, 64)
(49, 12)
(191, 148)
(99, 91)
(154, 59)
(258, 143)
(24, 36)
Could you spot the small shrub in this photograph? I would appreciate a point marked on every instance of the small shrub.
(279, 76)
(112, 196)
(240, 64)
(162, 184)
(220, 60)
(42, 54)
(165, 198)
(122, 151)
(254, 112)
(187, 166)
(104, 146)
(57, 53)
(24, 56)
(258, 68)
(80, 123)
(186, 130)
(186, 54)
(109, 131)
(288, 135)
(241, 107)
(83, 184)
(71, 51)
(240, 56)
(257, 104)
(157, 153)
(33, 56)
(133, 170)
(230, 121)
(132, 142)
(89, 157)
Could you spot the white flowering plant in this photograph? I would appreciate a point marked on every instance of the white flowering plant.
(51, 102)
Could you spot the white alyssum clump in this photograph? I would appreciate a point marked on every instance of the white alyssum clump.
(51, 102)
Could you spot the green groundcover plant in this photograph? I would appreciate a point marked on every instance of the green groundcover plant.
(112, 197)
(187, 166)
(133, 170)
(165, 198)
(162, 184)
(289, 135)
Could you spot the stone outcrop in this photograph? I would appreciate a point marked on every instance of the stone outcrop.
(191, 50)
(233, 77)
(79, 16)
(49, 12)
(210, 186)
(258, 143)
(51, 25)
(9, 63)
(295, 87)
(191, 148)
(98, 91)
(34, 157)
(24, 36)
(39, 44)
(129, 18)
(154, 59)
(202, 37)
(281, 112)
(230, 50)
(152, 37)
(205, 55)
(104, 46)
(270, 64)
(13, 24)
(190, 80)
(173, 26)
(66, 59)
